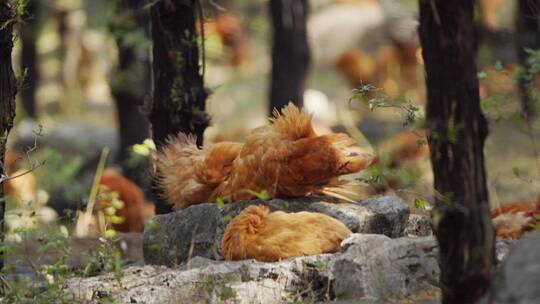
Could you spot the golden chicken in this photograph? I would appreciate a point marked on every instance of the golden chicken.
(234, 38)
(285, 158)
(257, 233)
(22, 188)
(511, 220)
(405, 146)
(392, 67)
(135, 209)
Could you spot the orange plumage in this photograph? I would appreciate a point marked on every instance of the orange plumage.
(405, 146)
(511, 220)
(23, 188)
(357, 67)
(133, 212)
(392, 67)
(257, 233)
(228, 28)
(286, 158)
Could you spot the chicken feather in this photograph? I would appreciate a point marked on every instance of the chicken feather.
(286, 158)
(257, 233)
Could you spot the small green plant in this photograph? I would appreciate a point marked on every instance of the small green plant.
(19, 7)
(139, 153)
(105, 258)
(420, 203)
(376, 98)
(262, 195)
(224, 292)
(221, 201)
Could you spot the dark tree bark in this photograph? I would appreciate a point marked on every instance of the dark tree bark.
(179, 95)
(29, 58)
(290, 52)
(456, 133)
(131, 84)
(527, 36)
(8, 90)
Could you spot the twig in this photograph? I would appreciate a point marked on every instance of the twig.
(217, 6)
(83, 222)
(33, 164)
(5, 282)
(203, 37)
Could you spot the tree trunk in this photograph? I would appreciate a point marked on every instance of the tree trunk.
(290, 52)
(131, 84)
(527, 36)
(179, 95)
(29, 58)
(8, 90)
(457, 131)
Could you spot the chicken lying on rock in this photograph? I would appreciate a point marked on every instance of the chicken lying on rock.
(257, 233)
(512, 220)
(286, 158)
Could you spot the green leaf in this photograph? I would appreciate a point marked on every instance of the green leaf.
(262, 195)
(117, 219)
(110, 211)
(482, 75)
(154, 247)
(220, 202)
(498, 66)
(420, 203)
(515, 170)
(117, 204)
(518, 122)
(489, 102)
(110, 233)
(226, 218)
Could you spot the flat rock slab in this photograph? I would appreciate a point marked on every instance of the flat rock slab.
(376, 267)
(369, 268)
(174, 238)
(517, 281)
(418, 225)
(363, 270)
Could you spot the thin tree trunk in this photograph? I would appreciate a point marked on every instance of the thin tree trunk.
(290, 52)
(8, 90)
(29, 58)
(130, 86)
(179, 95)
(457, 131)
(527, 36)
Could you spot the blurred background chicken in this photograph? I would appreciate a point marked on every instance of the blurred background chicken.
(512, 220)
(128, 202)
(232, 36)
(392, 67)
(285, 158)
(27, 205)
(257, 233)
(402, 162)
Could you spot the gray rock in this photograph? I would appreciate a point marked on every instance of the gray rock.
(517, 280)
(377, 267)
(248, 281)
(369, 267)
(502, 248)
(418, 225)
(172, 239)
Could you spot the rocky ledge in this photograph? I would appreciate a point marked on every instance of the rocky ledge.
(391, 257)
(172, 239)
